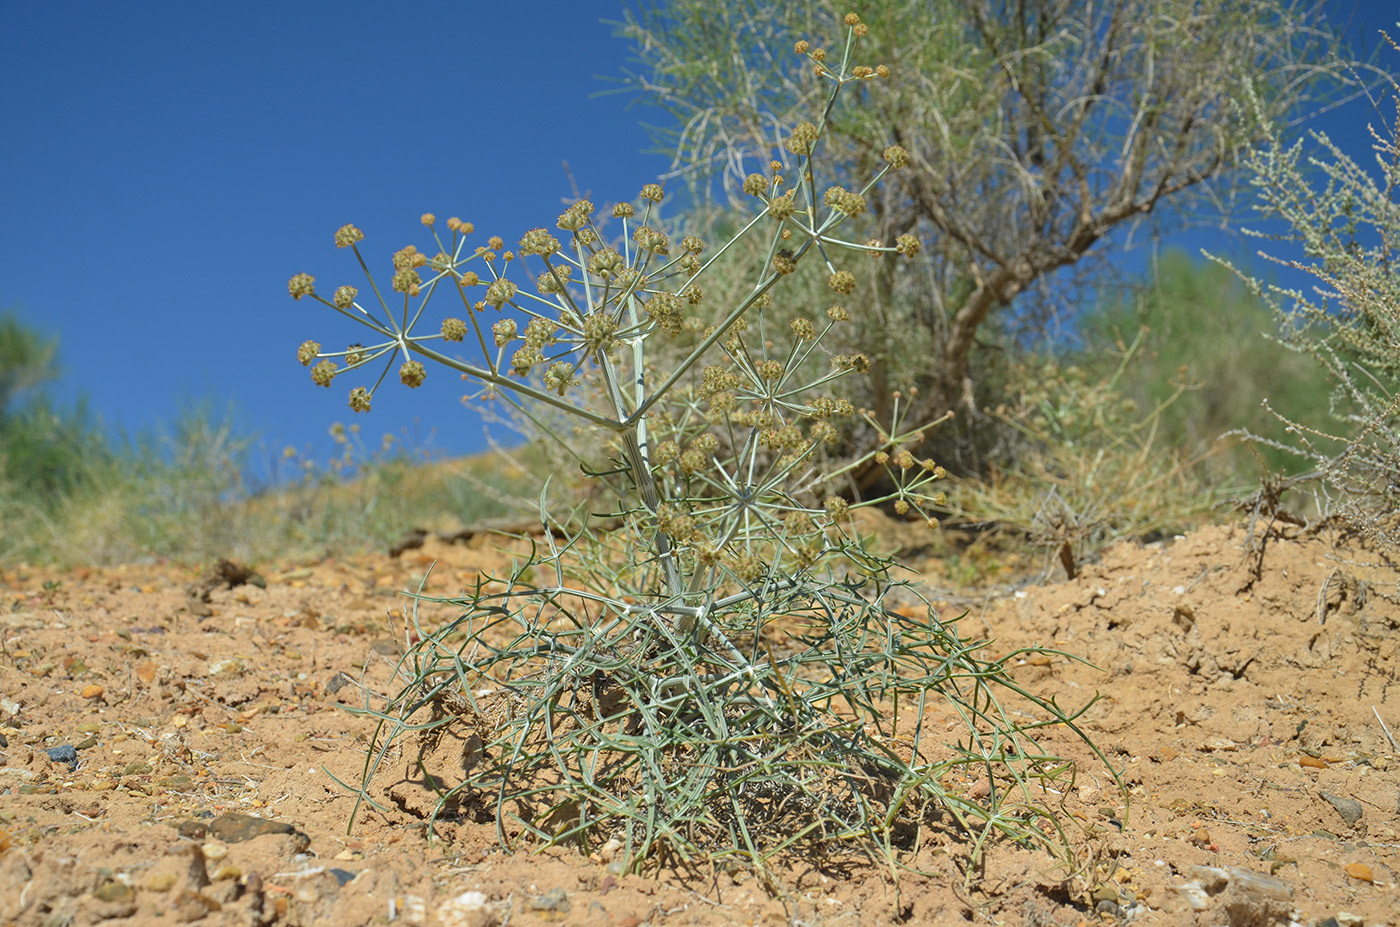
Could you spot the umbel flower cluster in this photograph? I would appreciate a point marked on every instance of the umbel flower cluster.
(637, 696)
(727, 445)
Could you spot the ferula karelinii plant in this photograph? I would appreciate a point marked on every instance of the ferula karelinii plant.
(638, 696)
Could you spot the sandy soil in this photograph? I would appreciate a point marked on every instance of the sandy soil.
(166, 766)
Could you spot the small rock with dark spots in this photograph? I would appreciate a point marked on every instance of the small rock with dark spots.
(232, 827)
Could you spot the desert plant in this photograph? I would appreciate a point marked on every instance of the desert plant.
(1343, 221)
(1090, 465)
(724, 672)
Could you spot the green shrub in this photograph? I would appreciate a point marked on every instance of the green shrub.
(1344, 230)
(1208, 354)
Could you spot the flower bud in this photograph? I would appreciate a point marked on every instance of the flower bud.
(500, 292)
(781, 207)
(803, 139)
(324, 372)
(504, 332)
(407, 281)
(605, 263)
(307, 352)
(538, 241)
(554, 279)
(843, 281)
(412, 374)
(896, 156)
(301, 285)
(347, 235)
(453, 329)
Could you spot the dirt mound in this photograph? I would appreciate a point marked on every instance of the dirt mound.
(162, 766)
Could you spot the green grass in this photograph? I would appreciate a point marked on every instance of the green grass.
(186, 496)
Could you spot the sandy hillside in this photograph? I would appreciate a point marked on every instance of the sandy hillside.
(169, 760)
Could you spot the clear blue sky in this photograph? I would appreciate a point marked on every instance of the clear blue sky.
(164, 168)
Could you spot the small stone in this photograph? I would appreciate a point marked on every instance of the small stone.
(214, 851)
(232, 827)
(1359, 871)
(1110, 908)
(468, 909)
(112, 890)
(91, 727)
(93, 690)
(117, 899)
(87, 744)
(225, 873)
(226, 668)
(608, 851)
(1349, 808)
(159, 881)
(556, 899)
(64, 753)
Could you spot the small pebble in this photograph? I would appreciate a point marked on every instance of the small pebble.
(159, 881)
(92, 691)
(1349, 808)
(556, 899)
(232, 827)
(113, 891)
(1359, 871)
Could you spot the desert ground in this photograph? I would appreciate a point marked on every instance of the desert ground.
(171, 741)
